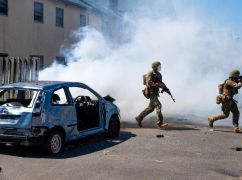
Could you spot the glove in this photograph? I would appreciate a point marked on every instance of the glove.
(239, 84)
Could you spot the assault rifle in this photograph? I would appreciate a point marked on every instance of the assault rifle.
(165, 89)
(240, 79)
(237, 80)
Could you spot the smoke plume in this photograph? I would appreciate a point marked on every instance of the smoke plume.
(196, 56)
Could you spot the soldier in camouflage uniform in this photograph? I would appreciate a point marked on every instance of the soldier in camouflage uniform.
(230, 88)
(153, 78)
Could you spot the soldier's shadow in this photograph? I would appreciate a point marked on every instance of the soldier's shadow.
(182, 128)
(223, 130)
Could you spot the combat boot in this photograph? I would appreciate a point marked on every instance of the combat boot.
(237, 130)
(139, 119)
(210, 122)
(162, 125)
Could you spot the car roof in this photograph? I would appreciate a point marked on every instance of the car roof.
(43, 85)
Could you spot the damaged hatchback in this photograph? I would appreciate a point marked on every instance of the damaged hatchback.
(52, 113)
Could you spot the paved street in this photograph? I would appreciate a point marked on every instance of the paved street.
(185, 152)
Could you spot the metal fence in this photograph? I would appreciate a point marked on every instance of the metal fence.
(18, 69)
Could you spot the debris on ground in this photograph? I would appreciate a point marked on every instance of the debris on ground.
(105, 152)
(160, 136)
(238, 148)
(0, 169)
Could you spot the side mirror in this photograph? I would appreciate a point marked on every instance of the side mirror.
(109, 98)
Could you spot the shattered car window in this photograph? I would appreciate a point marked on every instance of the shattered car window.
(18, 97)
(59, 97)
(80, 92)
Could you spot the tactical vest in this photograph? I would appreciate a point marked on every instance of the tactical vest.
(151, 90)
(156, 79)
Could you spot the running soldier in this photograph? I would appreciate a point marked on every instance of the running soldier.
(227, 91)
(153, 82)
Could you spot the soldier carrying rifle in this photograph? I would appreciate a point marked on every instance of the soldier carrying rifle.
(227, 90)
(153, 82)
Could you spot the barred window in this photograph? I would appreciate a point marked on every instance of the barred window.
(38, 12)
(59, 20)
(4, 7)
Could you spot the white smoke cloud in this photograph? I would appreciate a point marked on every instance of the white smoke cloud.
(196, 56)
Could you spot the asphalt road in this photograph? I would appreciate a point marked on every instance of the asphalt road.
(185, 152)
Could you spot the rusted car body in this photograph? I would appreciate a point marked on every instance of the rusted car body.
(52, 113)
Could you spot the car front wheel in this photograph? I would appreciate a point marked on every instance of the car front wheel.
(113, 127)
(54, 143)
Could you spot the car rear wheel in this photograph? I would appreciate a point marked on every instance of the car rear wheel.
(54, 142)
(113, 127)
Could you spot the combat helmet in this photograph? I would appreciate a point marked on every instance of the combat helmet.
(234, 74)
(155, 65)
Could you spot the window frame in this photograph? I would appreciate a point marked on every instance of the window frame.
(4, 4)
(3, 55)
(83, 20)
(59, 17)
(61, 60)
(69, 102)
(38, 16)
(90, 91)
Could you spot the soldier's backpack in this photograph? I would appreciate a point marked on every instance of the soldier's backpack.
(220, 88)
(145, 79)
(145, 90)
(220, 97)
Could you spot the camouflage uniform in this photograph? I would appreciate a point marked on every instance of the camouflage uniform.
(230, 89)
(151, 78)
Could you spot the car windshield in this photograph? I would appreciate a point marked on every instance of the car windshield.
(18, 97)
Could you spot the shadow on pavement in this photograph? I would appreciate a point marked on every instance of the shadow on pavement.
(181, 128)
(223, 130)
(71, 149)
(173, 126)
(227, 172)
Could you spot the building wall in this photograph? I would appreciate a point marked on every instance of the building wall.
(21, 36)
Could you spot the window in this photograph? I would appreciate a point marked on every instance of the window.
(83, 20)
(59, 97)
(83, 94)
(3, 55)
(18, 97)
(61, 60)
(38, 12)
(59, 20)
(113, 4)
(4, 7)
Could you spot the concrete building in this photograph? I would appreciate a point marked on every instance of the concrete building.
(35, 30)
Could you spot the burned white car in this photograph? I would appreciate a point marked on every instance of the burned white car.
(52, 113)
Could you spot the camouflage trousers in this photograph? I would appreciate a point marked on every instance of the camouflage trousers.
(228, 106)
(153, 105)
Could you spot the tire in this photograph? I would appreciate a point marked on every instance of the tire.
(54, 142)
(113, 127)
